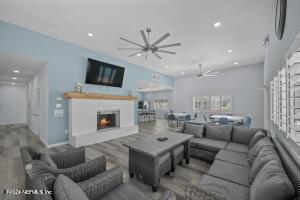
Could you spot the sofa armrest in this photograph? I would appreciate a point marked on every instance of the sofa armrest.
(167, 195)
(99, 185)
(194, 192)
(77, 173)
(69, 158)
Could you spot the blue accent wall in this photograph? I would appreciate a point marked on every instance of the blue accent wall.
(66, 66)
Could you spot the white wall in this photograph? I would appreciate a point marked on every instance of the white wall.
(40, 82)
(152, 96)
(244, 84)
(12, 104)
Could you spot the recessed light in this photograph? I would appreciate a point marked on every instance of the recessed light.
(229, 51)
(167, 66)
(90, 34)
(182, 73)
(217, 24)
(14, 78)
(13, 83)
(236, 63)
(16, 71)
(138, 54)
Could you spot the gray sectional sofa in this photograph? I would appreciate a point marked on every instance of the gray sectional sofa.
(245, 165)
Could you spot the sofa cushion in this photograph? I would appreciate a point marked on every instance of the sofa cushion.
(256, 137)
(223, 188)
(266, 141)
(125, 191)
(194, 129)
(272, 183)
(233, 157)
(208, 144)
(48, 160)
(230, 172)
(220, 132)
(266, 154)
(65, 189)
(237, 147)
(243, 135)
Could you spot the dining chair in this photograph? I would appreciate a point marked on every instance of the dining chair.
(247, 121)
(166, 115)
(223, 121)
(172, 118)
(187, 118)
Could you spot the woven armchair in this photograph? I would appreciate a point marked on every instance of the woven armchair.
(94, 188)
(197, 193)
(70, 163)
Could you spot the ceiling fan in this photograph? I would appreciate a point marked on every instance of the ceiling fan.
(149, 47)
(206, 74)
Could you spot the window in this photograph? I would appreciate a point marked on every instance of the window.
(285, 98)
(214, 103)
(161, 104)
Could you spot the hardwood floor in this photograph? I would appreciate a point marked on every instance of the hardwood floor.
(14, 136)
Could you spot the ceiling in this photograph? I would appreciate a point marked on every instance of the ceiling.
(244, 23)
(26, 66)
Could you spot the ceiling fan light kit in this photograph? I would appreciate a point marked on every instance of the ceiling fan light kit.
(148, 47)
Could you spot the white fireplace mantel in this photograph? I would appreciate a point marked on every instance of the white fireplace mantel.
(83, 120)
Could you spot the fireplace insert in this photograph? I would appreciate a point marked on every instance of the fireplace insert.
(108, 119)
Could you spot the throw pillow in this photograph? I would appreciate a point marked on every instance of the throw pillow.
(194, 129)
(266, 154)
(257, 147)
(65, 189)
(272, 183)
(48, 160)
(258, 135)
(218, 132)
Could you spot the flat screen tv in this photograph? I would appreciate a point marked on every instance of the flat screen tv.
(101, 73)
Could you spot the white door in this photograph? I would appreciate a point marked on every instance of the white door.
(34, 111)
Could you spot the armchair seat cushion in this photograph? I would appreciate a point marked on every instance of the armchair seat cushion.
(233, 157)
(208, 144)
(125, 191)
(237, 147)
(65, 189)
(231, 172)
(223, 188)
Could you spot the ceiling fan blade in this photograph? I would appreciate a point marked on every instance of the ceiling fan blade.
(158, 56)
(210, 75)
(168, 45)
(169, 52)
(132, 42)
(161, 39)
(214, 73)
(144, 38)
(130, 49)
(206, 72)
(135, 54)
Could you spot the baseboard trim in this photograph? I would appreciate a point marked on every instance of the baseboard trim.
(57, 144)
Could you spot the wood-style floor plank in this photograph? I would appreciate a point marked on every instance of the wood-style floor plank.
(12, 137)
